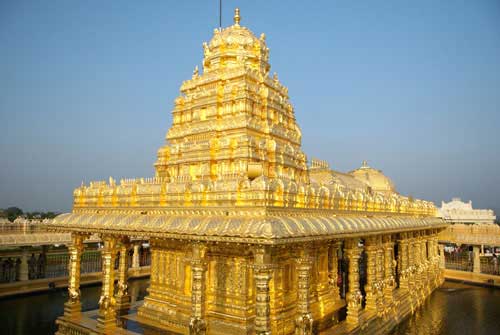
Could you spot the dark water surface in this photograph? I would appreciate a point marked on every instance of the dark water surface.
(452, 309)
(36, 314)
(456, 308)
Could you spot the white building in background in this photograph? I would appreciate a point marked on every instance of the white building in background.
(457, 211)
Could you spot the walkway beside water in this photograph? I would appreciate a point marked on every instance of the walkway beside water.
(48, 284)
(472, 277)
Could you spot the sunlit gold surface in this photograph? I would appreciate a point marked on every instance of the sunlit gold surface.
(471, 234)
(244, 236)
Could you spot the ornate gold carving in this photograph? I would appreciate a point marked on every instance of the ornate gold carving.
(334, 270)
(262, 276)
(371, 270)
(354, 296)
(197, 324)
(73, 305)
(304, 320)
(122, 296)
(107, 317)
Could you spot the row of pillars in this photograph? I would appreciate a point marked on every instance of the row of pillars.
(111, 303)
(417, 267)
(418, 271)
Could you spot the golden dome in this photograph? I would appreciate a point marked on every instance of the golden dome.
(374, 178)
(236, 45)
(234, 34)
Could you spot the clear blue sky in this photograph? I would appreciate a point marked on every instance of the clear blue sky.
(87, 88)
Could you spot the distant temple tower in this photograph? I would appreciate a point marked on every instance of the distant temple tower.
(245, 238)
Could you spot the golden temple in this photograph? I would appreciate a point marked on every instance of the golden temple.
(245, 237)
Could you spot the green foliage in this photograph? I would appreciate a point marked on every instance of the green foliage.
(13, 213)
(41, 215)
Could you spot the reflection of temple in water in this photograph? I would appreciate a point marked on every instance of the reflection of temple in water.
(245, 237)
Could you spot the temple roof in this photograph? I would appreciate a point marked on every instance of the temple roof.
(270, 227)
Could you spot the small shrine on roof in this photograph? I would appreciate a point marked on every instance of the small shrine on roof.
(246, 237)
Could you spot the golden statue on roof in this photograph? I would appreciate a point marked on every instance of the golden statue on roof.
(246, 237)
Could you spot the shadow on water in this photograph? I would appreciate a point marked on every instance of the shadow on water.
(456, 308)
(36, 313)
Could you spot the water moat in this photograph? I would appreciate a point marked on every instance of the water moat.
(454, 308)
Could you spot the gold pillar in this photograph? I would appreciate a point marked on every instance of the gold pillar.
(403, 255)
(412, 246)
(432, 258)
(435, 253)
(417, 254)
(197, 324)
(354, 297)
(106, 321)
(427, 275)
(424, 258)
(334, 269)
(442, 262)
(418, 260)
(135, 256)
(73, 305)
(23, 267)
(430, 243)
(122, 296)
(262, 276)
(371, 268)
(389, 283)
(379, 275)
(476, 259)
(304, 321)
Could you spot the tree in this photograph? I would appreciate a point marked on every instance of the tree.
(49, 215)
(13, 213)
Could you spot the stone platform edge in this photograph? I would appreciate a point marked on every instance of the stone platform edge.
(472, 278)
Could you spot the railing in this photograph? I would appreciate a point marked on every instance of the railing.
(463, 260)
(489, 265)
(459, 260)
(56, 265)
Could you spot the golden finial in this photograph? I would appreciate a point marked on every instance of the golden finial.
(237, 16)
(364, 164)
